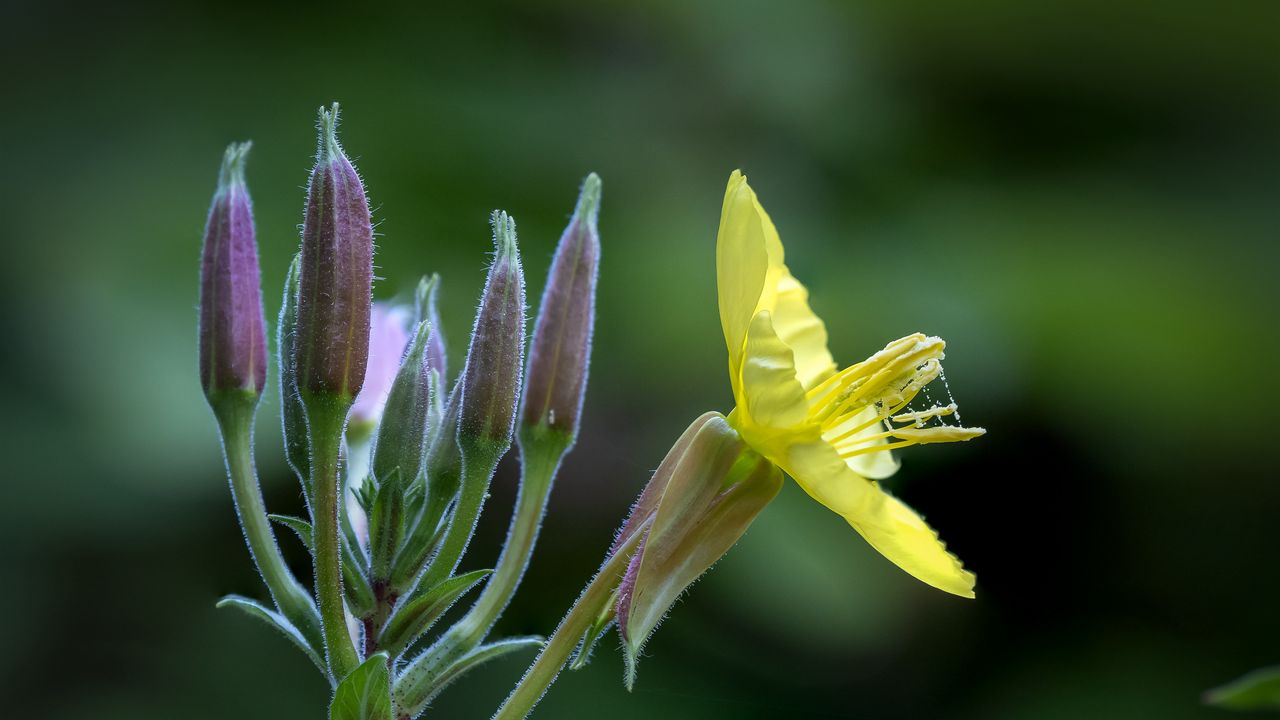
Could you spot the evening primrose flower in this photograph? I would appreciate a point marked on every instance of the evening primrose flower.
(832, 430)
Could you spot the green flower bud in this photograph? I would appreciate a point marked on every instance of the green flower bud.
(711, 495)
(402, 434)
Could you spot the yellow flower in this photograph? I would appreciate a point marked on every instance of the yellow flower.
(831, 430)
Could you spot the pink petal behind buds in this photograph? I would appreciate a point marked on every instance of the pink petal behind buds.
(388, 337)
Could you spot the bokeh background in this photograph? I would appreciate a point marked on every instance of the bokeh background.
(1082, 200)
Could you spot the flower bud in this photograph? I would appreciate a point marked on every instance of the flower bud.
(561, 348)
(402, 433)
(337, 275)
(711, 495)
(388, 337)
(425, 309)
(491, 377)
(293, 417)
(233, 341)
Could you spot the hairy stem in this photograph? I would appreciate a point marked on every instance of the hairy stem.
(539, 462)
(325, 424)
(235, 422)
(477, 471)
(560, 646)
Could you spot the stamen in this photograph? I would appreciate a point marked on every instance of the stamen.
(939, 434)
(919, 418)
(876, 448)
(862, 440)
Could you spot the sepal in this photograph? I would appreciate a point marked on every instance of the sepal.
(714, 491)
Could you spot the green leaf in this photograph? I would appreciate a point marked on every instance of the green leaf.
(1259, 690)
(482, 655)
(386, 525)
(598, 628)
(354, 584)
(297, 446)
(301, 527)
(415, 617)
(365, 694)
(277, 621)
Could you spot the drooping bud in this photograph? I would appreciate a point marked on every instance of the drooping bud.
(388, 338)
(337, 274)
(297, 447)
(709, 497)
(560, 352)
(233, 341)
(491, 377)
(425, 309)
(402, 433)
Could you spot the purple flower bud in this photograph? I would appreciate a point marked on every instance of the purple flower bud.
(491, 378)
(233, 341)
(388, 337)
(561, 349)
(425, 309)
(337, 275)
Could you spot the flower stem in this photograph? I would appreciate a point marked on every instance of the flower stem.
(235, 422)
(477, 470)
(539, 461)
(560, 646)
(325, 423)
(538, 465)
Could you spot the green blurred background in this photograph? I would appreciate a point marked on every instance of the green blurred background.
(1083, 201)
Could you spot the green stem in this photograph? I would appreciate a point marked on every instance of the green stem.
(560, 646)
(235, 422)
(477, 472)
(325, 422)
(539, 460)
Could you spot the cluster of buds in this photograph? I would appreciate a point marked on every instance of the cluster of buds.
(394, 462)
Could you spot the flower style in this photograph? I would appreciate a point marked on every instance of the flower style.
(831, 430)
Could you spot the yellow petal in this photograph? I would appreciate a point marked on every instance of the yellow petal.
(772, 397)
(891, 527)
(802, 331)
(748, 265)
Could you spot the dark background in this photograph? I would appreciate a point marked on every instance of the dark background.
(1081, 201)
